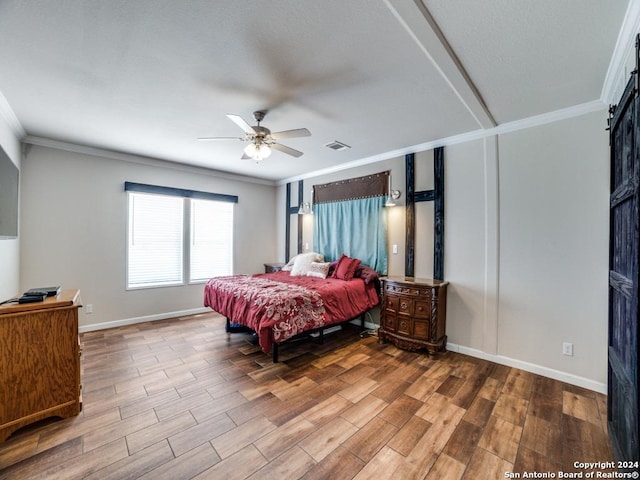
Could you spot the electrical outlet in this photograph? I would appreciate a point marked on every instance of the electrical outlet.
(567, 349)
(395, 249)
(88, 308)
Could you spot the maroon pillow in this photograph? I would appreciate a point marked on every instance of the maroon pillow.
(346, 268)
(332, 268)
(366, 273)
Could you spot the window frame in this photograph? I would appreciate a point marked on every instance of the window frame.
(186, 195)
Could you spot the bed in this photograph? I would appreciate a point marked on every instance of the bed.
(280, 306)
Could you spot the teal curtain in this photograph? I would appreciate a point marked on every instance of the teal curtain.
(357, 228)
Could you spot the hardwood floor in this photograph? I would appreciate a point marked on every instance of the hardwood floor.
(181, 399)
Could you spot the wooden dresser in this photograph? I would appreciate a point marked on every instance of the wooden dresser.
(413, 313)
(39, 361)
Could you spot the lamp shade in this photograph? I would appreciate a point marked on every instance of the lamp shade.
(262, 151)
(257, 150)
(250, 150)
(390, 202)
(305, 209)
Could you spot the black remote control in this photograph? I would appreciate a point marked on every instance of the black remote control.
(31, 298)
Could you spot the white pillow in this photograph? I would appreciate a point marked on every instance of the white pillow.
(289, 265)
(303, 263)
(318, 269)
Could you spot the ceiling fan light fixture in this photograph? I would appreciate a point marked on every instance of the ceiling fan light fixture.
(260, 140)
(257, 150)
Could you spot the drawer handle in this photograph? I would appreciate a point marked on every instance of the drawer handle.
(420, 308)
(404, 305)
(403, 324)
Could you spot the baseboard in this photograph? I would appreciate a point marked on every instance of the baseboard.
(147, 318)
(531, 367)
(368, 325)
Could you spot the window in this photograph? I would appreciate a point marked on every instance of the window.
(211, 239)
(176, 234)
(155, 240)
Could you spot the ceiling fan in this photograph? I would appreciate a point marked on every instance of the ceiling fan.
(260, 138)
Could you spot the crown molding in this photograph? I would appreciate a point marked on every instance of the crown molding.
(11, 118)
(522, 124)
(616, 77)
(149, 161)
(549, 117)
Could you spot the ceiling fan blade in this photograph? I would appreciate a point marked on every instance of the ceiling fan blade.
(208, 139)
(298, 132)
(288, 150)
(245, 157)
(238, 120)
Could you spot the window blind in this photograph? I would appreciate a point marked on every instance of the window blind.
(211, 245)
(155, 244)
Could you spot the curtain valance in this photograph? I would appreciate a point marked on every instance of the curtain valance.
(179, 192)
(352, 189)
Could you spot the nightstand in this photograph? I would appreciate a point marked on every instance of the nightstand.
(273, 267)
(413, 313)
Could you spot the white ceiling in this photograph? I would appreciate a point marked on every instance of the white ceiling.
(147, 77)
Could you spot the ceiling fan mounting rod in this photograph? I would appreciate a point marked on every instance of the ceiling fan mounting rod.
(259, 115)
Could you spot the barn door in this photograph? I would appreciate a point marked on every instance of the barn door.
(624, 247)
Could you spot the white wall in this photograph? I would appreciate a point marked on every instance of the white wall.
(9, 248)
(74, 215)
(527, 251)
(554, 231)
(464, 245)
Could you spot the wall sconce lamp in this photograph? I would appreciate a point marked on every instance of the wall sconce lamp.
(392, 195)
(305, 207)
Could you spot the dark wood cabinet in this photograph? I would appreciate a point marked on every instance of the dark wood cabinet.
(39, 361)
(413, 313)
(273, 267)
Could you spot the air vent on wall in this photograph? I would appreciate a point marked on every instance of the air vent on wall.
(336, 145)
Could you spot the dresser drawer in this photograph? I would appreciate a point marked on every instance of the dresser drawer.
(404, 324)
(422, 309)
(421, 329)
(391, 302)
(405, 305)
(411, 291)
(390, 321)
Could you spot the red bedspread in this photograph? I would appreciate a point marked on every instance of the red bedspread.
(286, 305)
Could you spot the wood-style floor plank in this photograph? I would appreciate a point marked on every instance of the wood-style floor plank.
(182, 399)
(192, 463)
